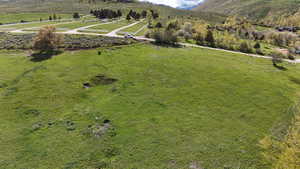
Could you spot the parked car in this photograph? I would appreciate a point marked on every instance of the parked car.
(128, 36)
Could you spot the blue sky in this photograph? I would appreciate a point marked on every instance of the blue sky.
(176, 3)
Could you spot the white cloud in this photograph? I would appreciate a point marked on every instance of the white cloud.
(176, 3)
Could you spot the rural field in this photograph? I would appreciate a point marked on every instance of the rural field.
(215, 107)
(122, 84)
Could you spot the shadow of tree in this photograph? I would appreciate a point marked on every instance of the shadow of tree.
(44, 55)
(280, 67)
(170, 45)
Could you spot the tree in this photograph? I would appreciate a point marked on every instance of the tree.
(76, 15)
(128, 18)
(119, 13)
(168, 37)
(245, 47)
(158, 25)
(257, 45)
(54, 17)
(144, 14)
(210, 38)
(277, 57)
(199, 38)
(47, 40)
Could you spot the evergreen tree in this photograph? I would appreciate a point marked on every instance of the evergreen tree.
(128, 17)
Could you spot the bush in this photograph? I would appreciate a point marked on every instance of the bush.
(257, 45)
(210, 39)
(259, 51)
(158, 25)
(277, 57)
(76, 15)
(165, 37)
(47, 40)
(245, 47)
(199, 39)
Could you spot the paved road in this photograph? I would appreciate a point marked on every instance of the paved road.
(114, 34)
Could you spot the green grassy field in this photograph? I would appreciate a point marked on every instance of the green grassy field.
(169, 108)
(29, 25)
(112, 26)
(77, 24)
(134, 28)
(17, 17)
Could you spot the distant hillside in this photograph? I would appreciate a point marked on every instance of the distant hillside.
(84, 6)
(254, 9)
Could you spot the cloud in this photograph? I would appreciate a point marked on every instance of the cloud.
(176, 3)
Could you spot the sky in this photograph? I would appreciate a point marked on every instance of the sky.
(176, 3)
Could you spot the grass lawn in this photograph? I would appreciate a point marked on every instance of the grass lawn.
(76, 24)
(169, 108)
(17, 17)
(29, 25)
(112, 26)
(134, 28)
(143, 32)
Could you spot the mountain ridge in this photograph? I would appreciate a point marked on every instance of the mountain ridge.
(254, 9)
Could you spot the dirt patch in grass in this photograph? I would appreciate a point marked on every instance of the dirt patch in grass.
(102, 80)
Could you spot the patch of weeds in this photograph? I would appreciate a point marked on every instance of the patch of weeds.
(70, 125)
(37, 126)
(110, 151)
(98, 130)
(11, 91)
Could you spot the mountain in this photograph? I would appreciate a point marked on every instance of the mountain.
(255, 9)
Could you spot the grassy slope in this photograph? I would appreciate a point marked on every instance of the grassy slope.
(15, 18)
(134, 28)
(252, 8)
(170, 108)
(70, 6)
(112, 26)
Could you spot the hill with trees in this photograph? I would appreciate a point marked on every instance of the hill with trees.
(262, 10)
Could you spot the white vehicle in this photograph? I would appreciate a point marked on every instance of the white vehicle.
(128, 36)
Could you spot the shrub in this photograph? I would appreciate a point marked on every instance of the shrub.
(199, 39)
(259, 51)
(245, 47)
(277, 57)
(257, 45)
(158, 25)
(165, 37)
(47, 40)
(210, 39)
(76, 15)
